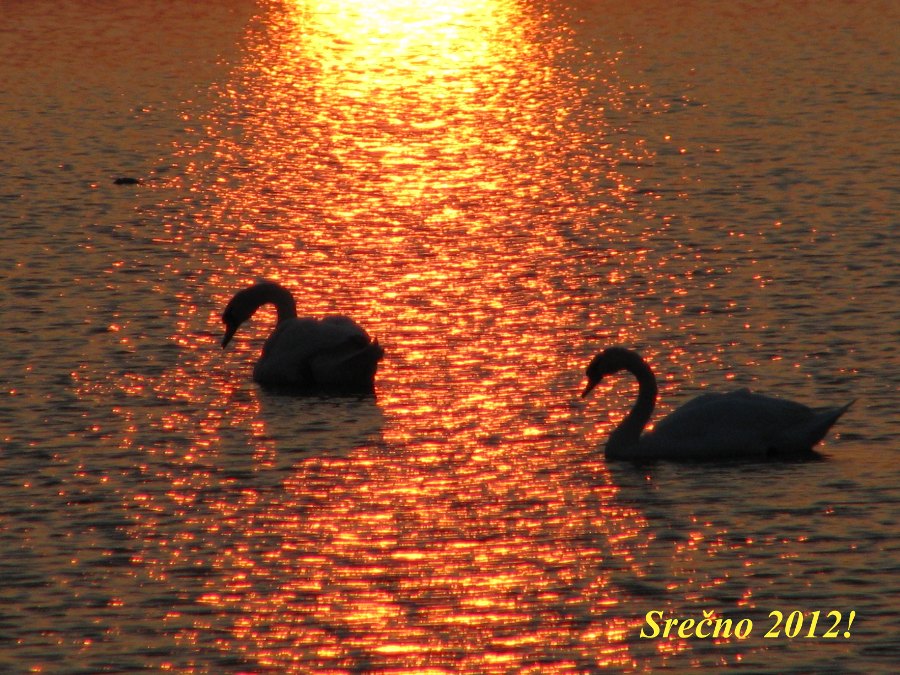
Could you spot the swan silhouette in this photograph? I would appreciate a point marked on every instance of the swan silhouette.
(302, 353)
(734, 425)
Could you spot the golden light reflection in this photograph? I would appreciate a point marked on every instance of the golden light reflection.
(396, 579)
(437, 172)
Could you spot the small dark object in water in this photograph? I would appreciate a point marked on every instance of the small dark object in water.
(125, 180)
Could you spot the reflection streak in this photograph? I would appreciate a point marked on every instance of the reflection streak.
(427, 167)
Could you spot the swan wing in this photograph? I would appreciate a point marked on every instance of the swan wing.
(351, 357)
(741, 408)
(286, 353)
(740, 424)
(307, 352)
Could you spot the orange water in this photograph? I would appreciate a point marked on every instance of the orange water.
(496, 190)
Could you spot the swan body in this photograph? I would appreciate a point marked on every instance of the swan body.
(733, 425)
(305, 354)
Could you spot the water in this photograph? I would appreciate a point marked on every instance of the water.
(497, 190)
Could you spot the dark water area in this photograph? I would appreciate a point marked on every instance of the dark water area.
(497, 190)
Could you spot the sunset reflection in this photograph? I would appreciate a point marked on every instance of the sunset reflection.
(421, 167)
(391, 575)
(496, 191)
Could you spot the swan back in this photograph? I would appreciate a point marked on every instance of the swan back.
(331, 353)
(741, 423)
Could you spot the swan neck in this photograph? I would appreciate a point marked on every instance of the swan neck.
(285, 305)
(628, 433)
(275, 294)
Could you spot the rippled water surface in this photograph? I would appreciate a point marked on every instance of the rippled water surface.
(497, 190)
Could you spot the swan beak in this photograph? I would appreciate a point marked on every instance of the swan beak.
(590, 385)
(229, 333)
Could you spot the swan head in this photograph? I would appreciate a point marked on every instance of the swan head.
(231, 326)
(609, 361)
(236, 312)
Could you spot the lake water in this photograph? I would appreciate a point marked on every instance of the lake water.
(496, 190)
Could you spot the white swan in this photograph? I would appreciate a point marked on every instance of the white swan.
(735, 425)
(331, 354)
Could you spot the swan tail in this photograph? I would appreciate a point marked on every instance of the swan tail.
(824, 420)
(349, 366)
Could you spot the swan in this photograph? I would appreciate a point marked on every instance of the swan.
(733, 425)
(329, 354)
